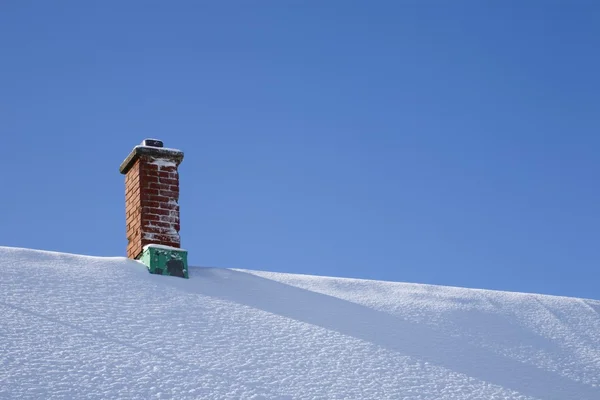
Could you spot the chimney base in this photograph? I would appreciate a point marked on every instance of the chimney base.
(165, 260)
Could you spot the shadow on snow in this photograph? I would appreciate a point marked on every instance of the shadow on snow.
(380, 328)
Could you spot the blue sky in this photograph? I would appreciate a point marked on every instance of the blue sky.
(452, 143)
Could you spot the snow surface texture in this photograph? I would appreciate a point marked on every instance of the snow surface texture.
(77, 327)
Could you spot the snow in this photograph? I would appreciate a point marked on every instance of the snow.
(163, 163)
(162, 247)
(160, 231)
(95, 328)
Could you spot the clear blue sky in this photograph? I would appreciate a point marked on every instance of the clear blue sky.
(453, 143)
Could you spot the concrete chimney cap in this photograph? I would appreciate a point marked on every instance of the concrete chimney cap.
(147, 149)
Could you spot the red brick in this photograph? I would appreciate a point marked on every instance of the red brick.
(169, 181)
(148, 174)
(149, 223)
(149, 210)
(167, 175)
(169, 194)
(160, 199)
(171, 206)
(151, 217)
(148, 166)
(154, 185)
(148, 182)
(160, 211)
(151, 192)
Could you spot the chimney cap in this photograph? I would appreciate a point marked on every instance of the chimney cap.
(151, 151)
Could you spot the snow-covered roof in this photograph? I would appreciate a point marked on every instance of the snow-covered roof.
(96, 328)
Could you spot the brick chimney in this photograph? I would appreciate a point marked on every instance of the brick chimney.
(151, 196)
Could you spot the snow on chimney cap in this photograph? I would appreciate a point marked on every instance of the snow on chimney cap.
(149, 148)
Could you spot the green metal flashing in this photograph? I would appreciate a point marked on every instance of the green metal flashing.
(165, 260)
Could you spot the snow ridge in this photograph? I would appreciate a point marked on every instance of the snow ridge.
(89, 327)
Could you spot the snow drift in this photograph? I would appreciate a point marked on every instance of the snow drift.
(95, 328)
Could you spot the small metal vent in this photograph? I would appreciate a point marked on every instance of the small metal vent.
(152, 143)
